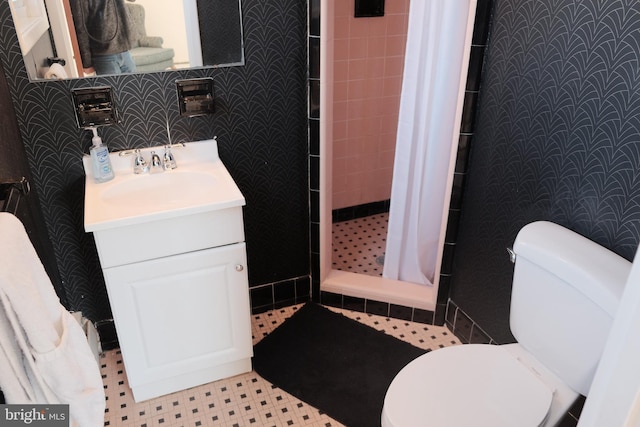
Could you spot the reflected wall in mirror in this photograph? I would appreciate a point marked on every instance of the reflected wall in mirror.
(174, 29)
(224, 34)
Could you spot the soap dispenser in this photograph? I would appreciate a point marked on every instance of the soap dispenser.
(102, 170)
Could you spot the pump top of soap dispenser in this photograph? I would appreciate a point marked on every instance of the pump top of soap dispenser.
(96, 140)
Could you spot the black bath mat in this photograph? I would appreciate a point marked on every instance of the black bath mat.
(333, 363)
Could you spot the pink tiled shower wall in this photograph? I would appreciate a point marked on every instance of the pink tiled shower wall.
(368, 64)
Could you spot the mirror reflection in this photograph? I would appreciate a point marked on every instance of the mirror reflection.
(81, 38)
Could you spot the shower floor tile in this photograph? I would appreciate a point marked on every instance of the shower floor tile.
(359, 244)
(248, 399)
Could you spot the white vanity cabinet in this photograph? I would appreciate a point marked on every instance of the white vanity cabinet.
(176, 279)
(182, 321)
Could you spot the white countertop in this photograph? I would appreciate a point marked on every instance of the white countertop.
(200, 183)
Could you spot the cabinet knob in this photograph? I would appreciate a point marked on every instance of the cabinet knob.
(239, 267)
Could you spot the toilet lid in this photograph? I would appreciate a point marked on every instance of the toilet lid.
(466, 385)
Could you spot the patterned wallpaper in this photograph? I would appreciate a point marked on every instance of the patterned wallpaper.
(260, 122)
(557, 138)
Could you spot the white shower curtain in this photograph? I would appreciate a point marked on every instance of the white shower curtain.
(436, 59)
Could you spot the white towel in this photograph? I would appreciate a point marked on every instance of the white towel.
(42, 346)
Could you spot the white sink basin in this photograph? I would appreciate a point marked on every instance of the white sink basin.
(162, 190)
(201, 183)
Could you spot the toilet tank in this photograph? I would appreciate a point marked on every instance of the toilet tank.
(566, 291)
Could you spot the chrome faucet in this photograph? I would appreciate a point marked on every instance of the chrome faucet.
(168, 161)
(156, 165)
(140, 165)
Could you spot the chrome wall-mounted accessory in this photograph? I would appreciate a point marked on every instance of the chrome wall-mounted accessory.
(94, 107)
(195, 97)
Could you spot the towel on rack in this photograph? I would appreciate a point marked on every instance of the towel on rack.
(43, 351)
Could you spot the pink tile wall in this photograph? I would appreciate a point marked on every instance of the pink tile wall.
(368, 64)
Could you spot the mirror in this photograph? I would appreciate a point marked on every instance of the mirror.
(168, 35)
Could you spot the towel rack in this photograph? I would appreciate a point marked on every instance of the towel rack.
(11, 193)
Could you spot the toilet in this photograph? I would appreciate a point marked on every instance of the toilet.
(565, 294)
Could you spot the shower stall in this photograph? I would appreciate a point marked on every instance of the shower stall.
(427, 114)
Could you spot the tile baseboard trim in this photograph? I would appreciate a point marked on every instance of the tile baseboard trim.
(284, 293)
(463, 327)
(360, 211)
(380, 308)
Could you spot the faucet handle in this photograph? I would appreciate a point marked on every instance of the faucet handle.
(156, 165)
(168, 161)
(140, 165)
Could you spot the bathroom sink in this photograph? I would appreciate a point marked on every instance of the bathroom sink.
(161, 191)
(201, 183)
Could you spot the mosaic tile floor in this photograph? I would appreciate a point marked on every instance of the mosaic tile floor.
(243, 400)
(359, 244)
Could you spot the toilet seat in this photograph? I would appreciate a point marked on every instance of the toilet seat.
(471, 384)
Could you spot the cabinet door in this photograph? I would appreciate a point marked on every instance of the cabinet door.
(182, 314)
